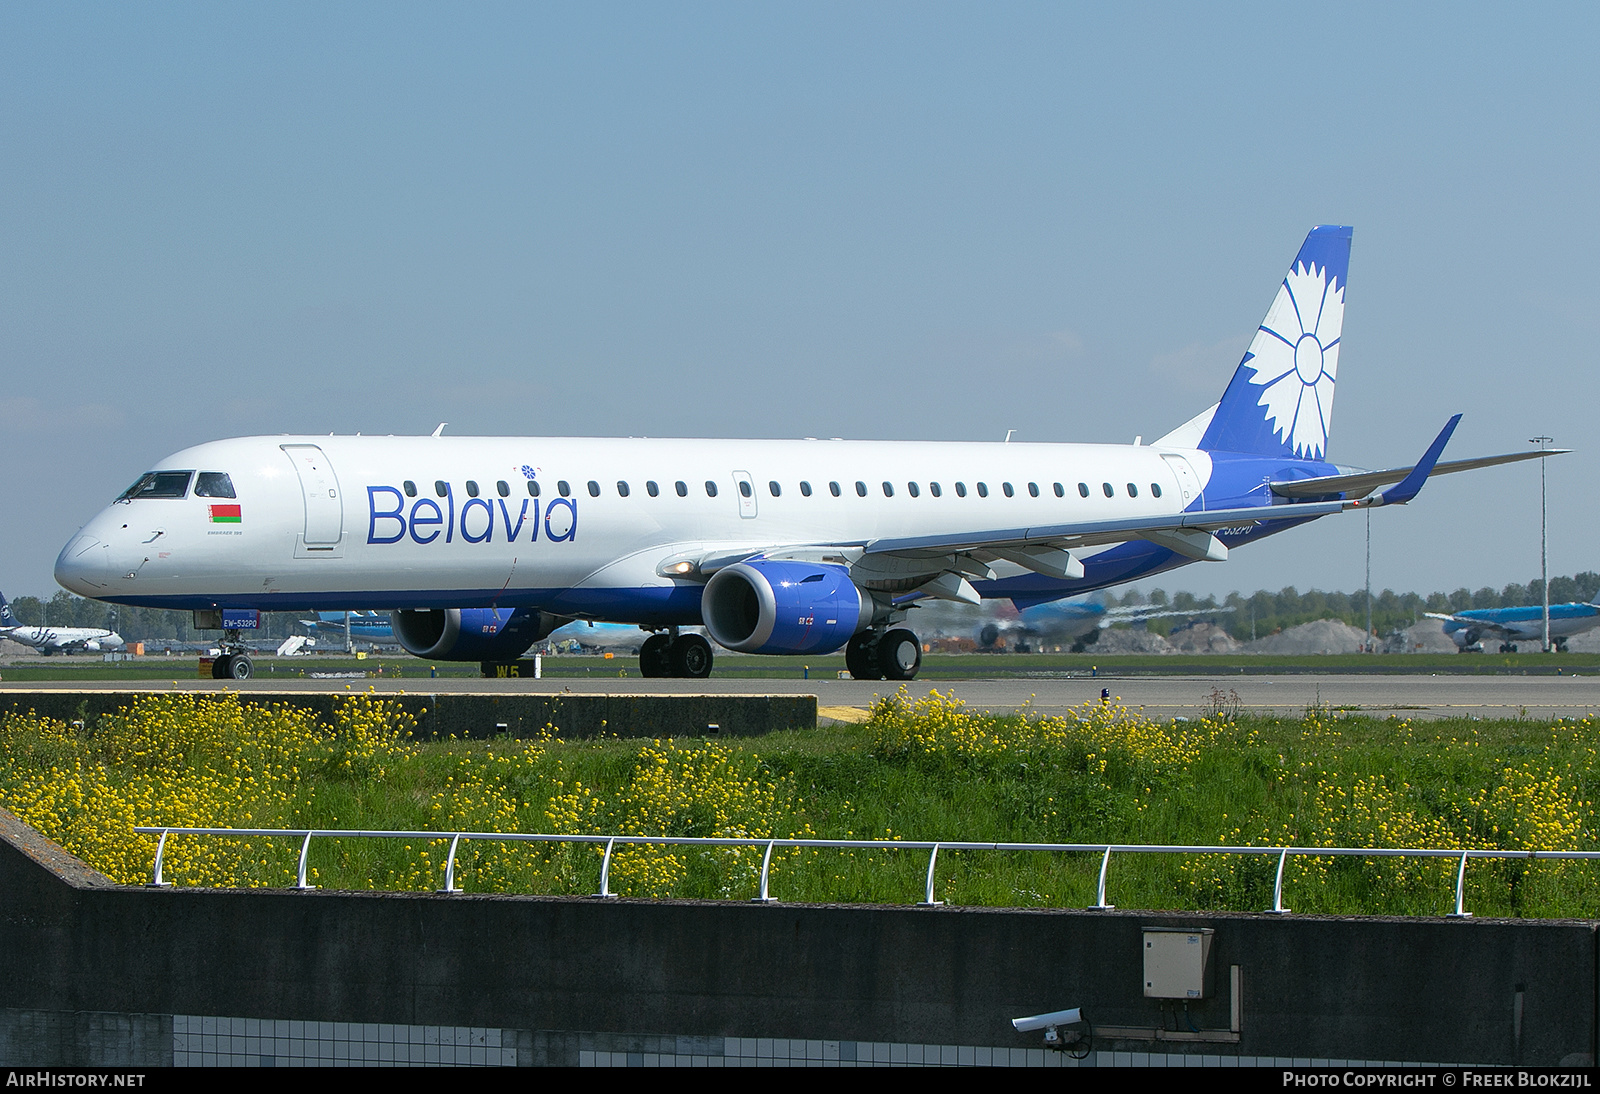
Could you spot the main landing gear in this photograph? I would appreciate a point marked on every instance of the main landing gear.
(233, 662)
(888, 655)
(668, 653)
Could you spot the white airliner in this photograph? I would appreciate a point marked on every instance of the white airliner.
(48, 640)
(1076, 622)
(482, 545)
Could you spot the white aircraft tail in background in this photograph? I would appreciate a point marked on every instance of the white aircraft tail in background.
(48, 640)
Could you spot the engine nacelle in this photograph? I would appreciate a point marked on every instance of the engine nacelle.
(779, 606)
(471, 634)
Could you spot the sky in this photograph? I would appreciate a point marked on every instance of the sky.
(862, 220)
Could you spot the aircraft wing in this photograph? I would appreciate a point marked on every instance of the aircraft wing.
(940, 565)
(1485, 626)
(1364, 482)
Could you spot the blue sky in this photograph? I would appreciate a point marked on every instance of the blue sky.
(859, 220)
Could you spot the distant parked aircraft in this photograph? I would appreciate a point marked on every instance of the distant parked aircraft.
(48, 640)
(368, 626)
(1508, 626)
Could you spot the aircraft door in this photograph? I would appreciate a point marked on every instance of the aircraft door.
(1188, 481)
(747, 493)
(320, 488)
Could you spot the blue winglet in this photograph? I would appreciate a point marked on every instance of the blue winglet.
(1408, 487)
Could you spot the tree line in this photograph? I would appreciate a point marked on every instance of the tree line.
(1264, 612)
(1254, 616)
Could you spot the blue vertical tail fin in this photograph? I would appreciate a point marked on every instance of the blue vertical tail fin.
(1280, 401)
(6, 618)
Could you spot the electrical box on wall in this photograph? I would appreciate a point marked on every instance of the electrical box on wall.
(1177, 962)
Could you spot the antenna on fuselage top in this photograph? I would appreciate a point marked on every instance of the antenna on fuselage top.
(1008, 436)
(440, 431)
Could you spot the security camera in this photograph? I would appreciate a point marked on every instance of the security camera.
(1046, 1021)
(1074, 1043)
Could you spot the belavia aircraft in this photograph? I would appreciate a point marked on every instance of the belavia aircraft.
(480, 546)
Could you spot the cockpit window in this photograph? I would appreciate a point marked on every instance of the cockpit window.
(213, 484)
(159, 484)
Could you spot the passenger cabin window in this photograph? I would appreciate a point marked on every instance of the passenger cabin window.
(563, 488)
(1083, 489)
(651, 488)
(441, 488)
(1061, 491)
(745, 489)
(911, 488)
(533, 488)
(1033, 489)
(472, 489)
(935, 489)
(983, 490)
(888, 489)
(594, 489)
(961, 489)
(411, 488)
(213, 484)
(682, 488)
(1109, 492)
(622, 489)
(861, 489)
(503, 488)
(711, 489)
(158, 484)
(777, 491)
(1006, 486)
(833, 488)
(1133, 491)
(1155, 490)
(805, 489)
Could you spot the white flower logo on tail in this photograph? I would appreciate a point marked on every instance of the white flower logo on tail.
(1295, 355)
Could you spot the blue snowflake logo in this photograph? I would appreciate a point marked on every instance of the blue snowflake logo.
(528, 472)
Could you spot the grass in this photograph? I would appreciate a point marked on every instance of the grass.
(935, 666)
(916, 770)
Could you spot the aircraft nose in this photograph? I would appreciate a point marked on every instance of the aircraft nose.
(82, 565)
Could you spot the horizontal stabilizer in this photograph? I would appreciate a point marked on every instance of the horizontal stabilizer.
(1364, 482)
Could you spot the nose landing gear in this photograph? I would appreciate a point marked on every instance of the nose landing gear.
(233, 663)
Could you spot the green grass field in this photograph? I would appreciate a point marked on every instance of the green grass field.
(935, 667)
(930, 770)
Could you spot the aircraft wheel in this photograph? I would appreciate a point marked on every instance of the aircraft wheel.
(1560, 644)
(240, 667)
(691, 657)
(222, 667)
(655, 656)
(899, 655)
(859, 659)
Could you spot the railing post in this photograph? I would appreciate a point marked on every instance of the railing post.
(766, 865)
(605, 892)
(1100, 904)
(161, 853)
(928, 901)
(450, 866)
(300, 876)
(1461, 880)
(1277, 887)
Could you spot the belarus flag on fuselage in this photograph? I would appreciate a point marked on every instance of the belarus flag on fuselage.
(226, 514)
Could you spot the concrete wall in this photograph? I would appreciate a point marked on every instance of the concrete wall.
(1398, 989)
(516, 714)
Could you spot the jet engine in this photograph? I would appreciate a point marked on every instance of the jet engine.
(781, 606)
(472, 634)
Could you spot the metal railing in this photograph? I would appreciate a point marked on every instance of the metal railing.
(933, 848)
